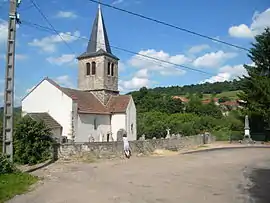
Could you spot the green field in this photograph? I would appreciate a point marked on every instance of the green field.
(14, 184)
(231, 94)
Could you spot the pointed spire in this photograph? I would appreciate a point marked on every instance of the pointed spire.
(99, 38)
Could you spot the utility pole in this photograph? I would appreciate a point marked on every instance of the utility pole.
(9, 81)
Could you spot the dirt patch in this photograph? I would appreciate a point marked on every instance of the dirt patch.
(163, 152)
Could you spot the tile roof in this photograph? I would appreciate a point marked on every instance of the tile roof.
(88, 103)
(183, 99)
(118, 104)
(46, 118)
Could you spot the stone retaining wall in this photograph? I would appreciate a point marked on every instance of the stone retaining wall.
(138, 147)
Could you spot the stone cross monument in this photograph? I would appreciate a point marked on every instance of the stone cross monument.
(247, 132)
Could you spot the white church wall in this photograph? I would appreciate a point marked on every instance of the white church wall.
(131, 124)
(118, 121)
(86, 127)
(48, 98)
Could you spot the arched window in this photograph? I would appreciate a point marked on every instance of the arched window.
(109, 68)
(112, 69)
(88, 68)
(93, 68)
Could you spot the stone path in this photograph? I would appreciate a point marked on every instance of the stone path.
(216, 176)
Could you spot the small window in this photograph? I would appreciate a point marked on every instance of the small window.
(112, 69)
(93, 68)
(88, 68)
(109, 68)
(95, 123)
(131, 127)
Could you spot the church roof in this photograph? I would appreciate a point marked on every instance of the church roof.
(118, 104)
(46, 118)
(88, 103)
(99, 41)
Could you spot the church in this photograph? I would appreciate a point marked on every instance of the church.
(95, 112)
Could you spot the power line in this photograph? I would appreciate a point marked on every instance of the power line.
(52, 27)
(169, 25)
(121, 49)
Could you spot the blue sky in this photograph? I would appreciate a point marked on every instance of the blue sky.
(41, 54)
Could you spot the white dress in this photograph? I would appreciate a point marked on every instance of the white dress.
(126, 144)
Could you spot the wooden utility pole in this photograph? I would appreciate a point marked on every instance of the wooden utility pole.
(9, 81)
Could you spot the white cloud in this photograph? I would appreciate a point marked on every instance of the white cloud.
(227, 73)
(48, 44)
(63, 59)
(213, 59)
(66, 14)
(240, 31)
(259, 22)
(121, 67)
(117, 2)
(64, 80)
(143, 73)
(134, 83)
(3, 31)
(198, 48)
(162, 68)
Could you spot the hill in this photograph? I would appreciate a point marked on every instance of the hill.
(228, 89)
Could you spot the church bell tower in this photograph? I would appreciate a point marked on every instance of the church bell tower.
(98, 67)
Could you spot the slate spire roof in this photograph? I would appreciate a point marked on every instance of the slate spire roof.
(99, 42)
(99, 38)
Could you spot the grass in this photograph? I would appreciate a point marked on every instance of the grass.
(231, 94)
(14, 184)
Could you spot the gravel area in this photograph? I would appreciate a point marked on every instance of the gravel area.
(224, 176)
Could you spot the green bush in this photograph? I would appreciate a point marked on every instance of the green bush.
(6, 166)
(237, 135)
(222, 135)
(154, 124)
(32, 142)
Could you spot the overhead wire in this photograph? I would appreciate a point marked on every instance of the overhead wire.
(169, 25)
(52, 27)
(174, 65)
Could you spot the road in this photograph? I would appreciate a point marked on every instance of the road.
(224, 176)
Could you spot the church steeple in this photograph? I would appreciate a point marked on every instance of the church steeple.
(99, 39)
(98, 67)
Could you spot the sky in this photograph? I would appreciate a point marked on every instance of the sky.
(42, 54)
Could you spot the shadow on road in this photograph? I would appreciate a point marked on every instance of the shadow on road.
(260, 190)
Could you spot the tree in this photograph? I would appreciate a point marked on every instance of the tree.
(256, 86)
(223, 99)
(32, 142)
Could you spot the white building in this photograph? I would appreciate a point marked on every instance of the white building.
(96, 111)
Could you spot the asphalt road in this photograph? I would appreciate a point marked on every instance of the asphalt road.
(224, 176)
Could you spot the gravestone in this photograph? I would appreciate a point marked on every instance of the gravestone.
(142, 138)
(178, 136)
(91, 138)
(168, 133)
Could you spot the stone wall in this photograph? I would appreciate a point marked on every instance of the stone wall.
(115, 149)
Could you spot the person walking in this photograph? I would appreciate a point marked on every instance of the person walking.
(127, 150)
